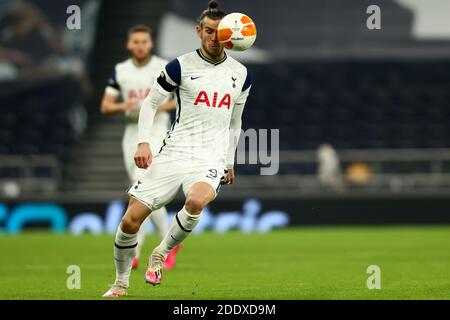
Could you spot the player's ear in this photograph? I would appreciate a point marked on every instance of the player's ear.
(151, 44)
(198, 30)
(128, 44)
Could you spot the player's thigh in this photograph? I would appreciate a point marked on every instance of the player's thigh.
(159, 184)
(202, 185)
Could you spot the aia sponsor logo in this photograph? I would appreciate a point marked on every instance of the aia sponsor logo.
(138, 94)
(214, 101)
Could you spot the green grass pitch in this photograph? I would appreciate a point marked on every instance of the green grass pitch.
(295, 263)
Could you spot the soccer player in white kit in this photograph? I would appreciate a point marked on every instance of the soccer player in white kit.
(132, 80)
(198, 153)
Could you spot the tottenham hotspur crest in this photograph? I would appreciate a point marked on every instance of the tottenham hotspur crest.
(234, 81)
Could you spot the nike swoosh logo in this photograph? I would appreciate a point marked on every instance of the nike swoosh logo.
(193, 78)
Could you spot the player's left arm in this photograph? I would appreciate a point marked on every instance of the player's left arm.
(235, 129)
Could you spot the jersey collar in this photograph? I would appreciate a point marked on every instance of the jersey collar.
(143, 63)
(201, 55)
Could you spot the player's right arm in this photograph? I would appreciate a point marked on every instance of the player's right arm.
(167, 82)
(109, 103)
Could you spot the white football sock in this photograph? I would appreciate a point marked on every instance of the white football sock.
(182, 225)
(124, 252)
(160, 221)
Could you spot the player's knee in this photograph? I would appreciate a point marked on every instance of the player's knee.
(129, 225)
(195, 204)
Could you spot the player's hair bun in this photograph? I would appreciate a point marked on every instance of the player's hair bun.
(213, 4)
(213, 12)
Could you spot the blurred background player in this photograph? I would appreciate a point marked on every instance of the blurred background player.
(198, 154)
(132, 80)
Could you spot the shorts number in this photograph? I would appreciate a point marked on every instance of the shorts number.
(212, 174)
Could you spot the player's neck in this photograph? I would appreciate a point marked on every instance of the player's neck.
(141, 62)
(213, 58)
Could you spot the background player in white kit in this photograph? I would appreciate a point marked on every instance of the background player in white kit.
(132, 80)
(198, 152)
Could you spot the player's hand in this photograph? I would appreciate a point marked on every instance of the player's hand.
(143, 156)
(229, 177)
(130, 105)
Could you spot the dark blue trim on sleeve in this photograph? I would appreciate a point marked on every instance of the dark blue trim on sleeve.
(112, 82)
(173, 70)
(248, 81)
(162, 80)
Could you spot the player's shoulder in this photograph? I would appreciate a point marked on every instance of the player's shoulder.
(191, 58)
(123, 65)
(187, 57)
(181, 62)
(236, 64)
(121, 70)
(241, 70)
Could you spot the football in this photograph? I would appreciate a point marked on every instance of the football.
(237, 32)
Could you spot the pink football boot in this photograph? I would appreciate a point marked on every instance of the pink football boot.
(170, 260)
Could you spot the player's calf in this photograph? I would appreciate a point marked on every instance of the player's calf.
(181, 226)
(125, 244)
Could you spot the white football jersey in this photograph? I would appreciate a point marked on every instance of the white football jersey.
(133, 82)
(206, 93)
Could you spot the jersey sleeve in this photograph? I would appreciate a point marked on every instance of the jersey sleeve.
(170, 77)
(163, 86)
(245, 88)
(236, 121)
(113, 87)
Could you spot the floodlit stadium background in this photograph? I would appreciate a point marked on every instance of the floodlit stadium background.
(363, 115)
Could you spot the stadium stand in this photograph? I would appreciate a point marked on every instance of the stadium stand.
(365, 104)
(380, 98)
(43, 92)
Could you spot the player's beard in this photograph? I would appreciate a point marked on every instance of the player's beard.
(215, 53)
(141, 59)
